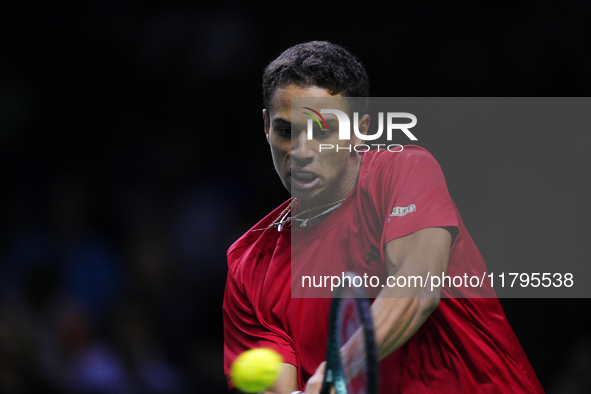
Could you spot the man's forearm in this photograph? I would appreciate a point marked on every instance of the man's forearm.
(398, 312)
(397, 319)
(287, 382)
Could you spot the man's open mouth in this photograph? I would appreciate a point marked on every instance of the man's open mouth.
(303, 179)
(303, 175)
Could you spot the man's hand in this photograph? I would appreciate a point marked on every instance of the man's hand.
(315, 382)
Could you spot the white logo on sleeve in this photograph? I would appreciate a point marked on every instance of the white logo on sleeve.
(401, 211)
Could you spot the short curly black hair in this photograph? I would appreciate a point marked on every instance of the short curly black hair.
(316, 63)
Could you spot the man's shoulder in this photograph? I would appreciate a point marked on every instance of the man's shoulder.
(255, 240)
(386, 163)
(401, 153)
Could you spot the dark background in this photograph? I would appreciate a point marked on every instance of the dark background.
(132, 155)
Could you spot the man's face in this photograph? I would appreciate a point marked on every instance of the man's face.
(307, 172)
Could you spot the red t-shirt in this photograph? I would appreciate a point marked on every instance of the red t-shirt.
(466, 344)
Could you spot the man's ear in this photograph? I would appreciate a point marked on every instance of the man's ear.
(266, 123)
(363, 127)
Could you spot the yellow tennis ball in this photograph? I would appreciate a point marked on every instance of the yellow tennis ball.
(256, 370)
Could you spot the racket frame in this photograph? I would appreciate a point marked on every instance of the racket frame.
(333, 375)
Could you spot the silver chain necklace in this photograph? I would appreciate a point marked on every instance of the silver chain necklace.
(304, 222)
(284, 217)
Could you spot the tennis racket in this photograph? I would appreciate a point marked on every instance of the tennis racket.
(351, 325)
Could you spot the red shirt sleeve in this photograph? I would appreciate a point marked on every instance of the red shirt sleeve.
(243, 329)
(415, 194)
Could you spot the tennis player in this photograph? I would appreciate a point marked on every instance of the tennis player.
(391, 206)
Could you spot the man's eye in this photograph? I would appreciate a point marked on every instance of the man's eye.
(322, 133)
(285, 131)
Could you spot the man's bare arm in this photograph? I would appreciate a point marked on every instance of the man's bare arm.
(398, 312)
(287, 382)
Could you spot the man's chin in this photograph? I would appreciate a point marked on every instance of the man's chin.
(302, 195)
(308, 197)
(304, 186)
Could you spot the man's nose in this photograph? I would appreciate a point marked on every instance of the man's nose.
(301, 147)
